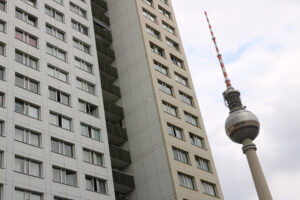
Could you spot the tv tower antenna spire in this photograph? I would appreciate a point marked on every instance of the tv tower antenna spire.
(242, 127)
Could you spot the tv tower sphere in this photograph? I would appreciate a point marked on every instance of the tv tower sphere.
(241, 123)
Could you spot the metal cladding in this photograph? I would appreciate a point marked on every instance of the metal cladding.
(232, 99)
(242, 124)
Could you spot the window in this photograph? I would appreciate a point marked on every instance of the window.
(149, 2)
(81, 64)
(2, 99)
(59, 1)
(88, 108)
(76, 9)
(161, 68)
(172, 110)
(59, 96)
(176, 61)
(152, 31)
(90, 132)
(95, 184)
(86, 86)
(57, 73)
(60, 198)
(54, 13)
(165, 88)
(202, 163)
(27, 109)
(79, 27)
(186, 98)
(186, 181)
(149, 15)
(27, 136)
(65, 176)
(180, 155)
(168, 27)
(1, 128)
(2, 26)
(172, 44)
(25, 37)
(60, 121)
(28, 18)
(28, 166)
(197, 141)
(2, 49)
(93, 157)
(61, 147)
(26, 59)
(2, 5)
(56, 52)
(21, 194)
(164, 12)
(1, 166)
(30, 2)
(208, 188)
(156, 49)
(51, 30)
(191, 119)
(175, 131)
(164, 1)
(27, 83)
(81, 46)
(181, 79)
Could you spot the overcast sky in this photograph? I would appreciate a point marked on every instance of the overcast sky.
(260, 43)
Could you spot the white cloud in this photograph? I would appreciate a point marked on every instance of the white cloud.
(266, 72)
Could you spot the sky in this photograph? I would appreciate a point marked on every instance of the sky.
(260, 44)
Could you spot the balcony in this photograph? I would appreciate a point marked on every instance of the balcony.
(120, 158)
(110, 92)
(116, 134)
(101, 5)
(107, 72)
(105, 54)
(123, 182)
(113, 112)
(100, 15)
(103, 33)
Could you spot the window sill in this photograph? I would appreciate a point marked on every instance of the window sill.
(28, 116)
(28, 144)
(59, 79)
(94, 164)
(62, 128)
(63, 155)
(28, 90)
(27, 43)
(75, 186)
(57, 57)
(92, 138)
(89, 114)
(28, 66)
(61, 104)
(188, 188)
(96, 192)
(29, 175)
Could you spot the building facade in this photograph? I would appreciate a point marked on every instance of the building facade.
(97, 102)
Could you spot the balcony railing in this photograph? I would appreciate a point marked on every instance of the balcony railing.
(110, 73)
(101, 3)
(113, 112)
(108, 87)
(123, 182)
(105, 50)
(100, 15)
(103, 33)
(120, 158)
(116, 134)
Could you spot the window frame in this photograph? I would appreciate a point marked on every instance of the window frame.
(26, 137)
(26, 108)
(61, 144)
(27, 167)
(60, 120)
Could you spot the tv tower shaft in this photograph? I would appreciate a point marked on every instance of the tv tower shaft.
(242, 127)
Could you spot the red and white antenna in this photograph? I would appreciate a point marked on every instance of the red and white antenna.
(227, 81)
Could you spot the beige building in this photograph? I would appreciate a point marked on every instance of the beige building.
(170, 153)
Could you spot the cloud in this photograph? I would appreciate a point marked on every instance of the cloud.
(260, 44)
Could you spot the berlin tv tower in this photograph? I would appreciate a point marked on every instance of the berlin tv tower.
(242, 127)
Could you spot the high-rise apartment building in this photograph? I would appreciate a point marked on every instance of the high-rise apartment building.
(97, 102)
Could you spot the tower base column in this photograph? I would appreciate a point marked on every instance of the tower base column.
(262, 189)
